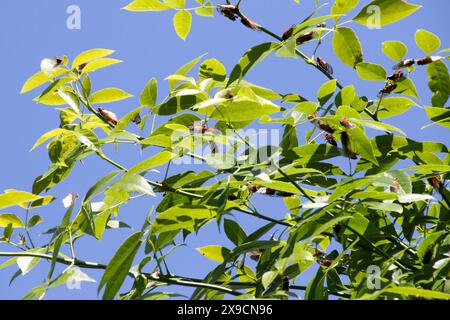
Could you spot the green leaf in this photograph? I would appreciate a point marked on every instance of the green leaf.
(188, 217)
(182, 21)
(109, 95)
(155, 161)
(440, 116)
(119, 266)
(268, 277)
(252, 57)
(315, 290)
(396, 50)
(39, 79)
(390, 11)
(215, 253)
(234, 232)
(34, 220)
(146, 5)
(390, 207)
(427, 41)
(183, 71)
(314, 152)
(362, 144)
(48, 135)
(249, 246)
(439, 83)
(407, 87)
(99, 64)
(326, 91)
(9, 218)
(214, 69)
(90, 55)
(149, 94)
(413, 197)
(393, 106)
(341, 7)
(371, 71)
(347, 47)
(17, 198)
(131, 183)
(99, 185)
(422, 293)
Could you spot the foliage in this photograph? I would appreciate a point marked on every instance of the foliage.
(390, 209)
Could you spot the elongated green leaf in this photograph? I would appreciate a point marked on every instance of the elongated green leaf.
(252, 57)
(119, 266)
(440, 116)
(39, 79)
(215, 253)
(184, 70)
(439, 83)
(362, 144)
(379, 13)
(149, 94)
(90, 55)
(186, 217)
(109, 95)
(155, 161)
(347, 47)
(131, 183)
(17, 198)
(234, 232)
(182, 21)
(422, 293)
(99, 64)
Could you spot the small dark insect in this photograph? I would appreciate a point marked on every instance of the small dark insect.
(306, 37)
(255, 254)
(396, 76)
(228, 10)
(330, 139)
(80, 68)
(283, 194)
(266, 191)
(435, 182)
(137, 119)
(253, 187)
(321, 25)
(324, 65)
(285, 284)
(347, 147)
(232, 197)
(346, 123)
(59, 61)
(325, 262)
(229, 94)
(250, 24)
(288, 33)
(387, 90)
(22, 240)
(404, 64)
(396, 187)
(198, 127)
(318, 253)
(322, 125)
(428, 60)
(108, 115)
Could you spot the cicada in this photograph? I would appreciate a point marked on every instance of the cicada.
(324, 65)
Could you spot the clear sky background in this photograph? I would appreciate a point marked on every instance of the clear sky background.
(35, 29)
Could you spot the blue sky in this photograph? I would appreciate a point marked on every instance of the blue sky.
(33, 30)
